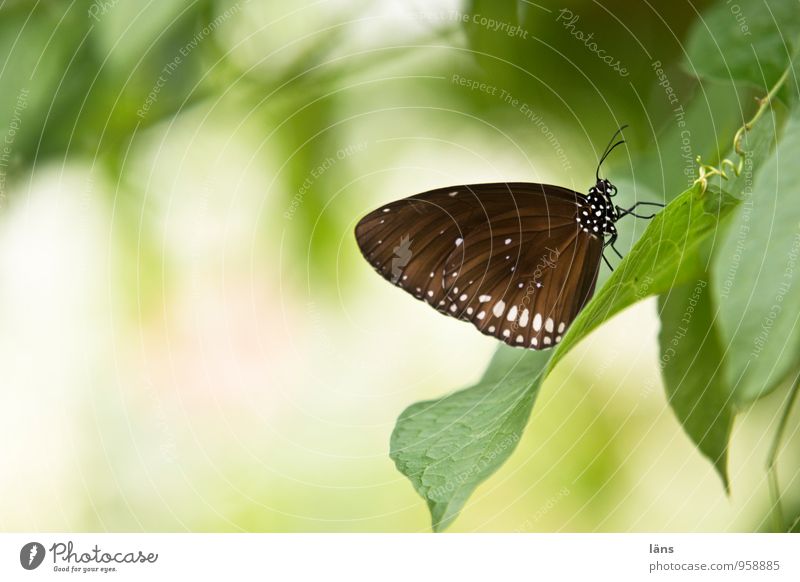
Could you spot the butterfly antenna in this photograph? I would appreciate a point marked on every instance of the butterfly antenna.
(608, 150)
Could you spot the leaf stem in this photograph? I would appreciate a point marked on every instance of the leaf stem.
(772, 459)
(705, 171)
(763, 103)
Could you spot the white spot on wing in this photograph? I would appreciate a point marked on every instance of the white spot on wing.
(523, 319)
(498, 308)
(484, 298)
(561, 327)
(481, 315)
(506, 332)
(548, 325)
(459, 241)
(508, 241)
(537, 322)
(512, 313)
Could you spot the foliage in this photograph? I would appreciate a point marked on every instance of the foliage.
(722, 258)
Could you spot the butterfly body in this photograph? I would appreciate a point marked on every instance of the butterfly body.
(516, 260)
(598, 214)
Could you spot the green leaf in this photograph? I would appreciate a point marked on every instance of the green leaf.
(756, 276)
(692, 353)
(447, 447)
(668, 254)
(749, 42)
(691, 360)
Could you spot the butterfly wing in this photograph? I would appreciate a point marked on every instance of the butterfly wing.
(509, 258)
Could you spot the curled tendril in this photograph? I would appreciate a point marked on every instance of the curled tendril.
(706, 171)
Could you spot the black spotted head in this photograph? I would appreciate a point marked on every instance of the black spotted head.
(604, 188)
(597, 214)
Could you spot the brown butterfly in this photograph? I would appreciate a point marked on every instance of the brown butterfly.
(517, 260)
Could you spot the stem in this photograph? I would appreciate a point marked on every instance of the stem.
(705, 171)
(772, 459)
(763, 103)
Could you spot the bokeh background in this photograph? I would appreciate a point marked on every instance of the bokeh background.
(189, 338)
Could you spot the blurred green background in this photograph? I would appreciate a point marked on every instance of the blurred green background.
(189, 338)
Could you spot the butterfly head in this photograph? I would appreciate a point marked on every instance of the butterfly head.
(605, 188)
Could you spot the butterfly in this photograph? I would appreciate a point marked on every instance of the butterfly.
(517, 260)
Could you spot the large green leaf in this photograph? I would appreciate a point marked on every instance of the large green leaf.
(668, 254)
(692, 367)
(448, 446)
(756, 276)
(749, 41)
(692, 354)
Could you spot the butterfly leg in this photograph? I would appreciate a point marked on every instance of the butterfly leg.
(630, 211)
(610, 243)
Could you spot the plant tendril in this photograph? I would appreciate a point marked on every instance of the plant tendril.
(706, 171)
